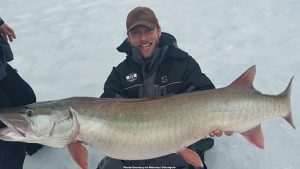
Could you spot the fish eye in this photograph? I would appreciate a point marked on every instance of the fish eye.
(29, 112)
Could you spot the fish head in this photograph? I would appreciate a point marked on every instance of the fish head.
(50, 125)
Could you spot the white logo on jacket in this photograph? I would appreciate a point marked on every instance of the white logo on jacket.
(164, 79)
(131, 77)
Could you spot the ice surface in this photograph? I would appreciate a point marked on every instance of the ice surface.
(67, 48)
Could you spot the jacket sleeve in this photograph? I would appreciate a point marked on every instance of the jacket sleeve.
(194, 79)
(113, 86)
(1, 21)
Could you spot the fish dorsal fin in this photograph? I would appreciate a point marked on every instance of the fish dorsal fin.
(245, 80)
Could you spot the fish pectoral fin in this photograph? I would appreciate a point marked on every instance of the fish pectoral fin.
(79, 154)
(191, 157)
(255, 136)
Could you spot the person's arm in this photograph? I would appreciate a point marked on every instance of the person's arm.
(6, 31)
(194, 79)
(113, 86)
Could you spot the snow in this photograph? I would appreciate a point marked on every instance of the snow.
(67, 48)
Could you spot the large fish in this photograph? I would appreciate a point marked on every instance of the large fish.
(137, 129)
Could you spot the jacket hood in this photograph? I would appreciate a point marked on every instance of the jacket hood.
(166, 39)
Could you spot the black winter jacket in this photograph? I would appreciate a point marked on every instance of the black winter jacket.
(175, 72)
(170, 71)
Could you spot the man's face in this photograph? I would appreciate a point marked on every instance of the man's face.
(145, 39)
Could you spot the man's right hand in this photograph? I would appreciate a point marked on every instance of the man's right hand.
(7, 32)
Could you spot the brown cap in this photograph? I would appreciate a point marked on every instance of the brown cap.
(141, 16)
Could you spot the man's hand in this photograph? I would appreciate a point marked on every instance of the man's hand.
(7, 32)
(219, 133)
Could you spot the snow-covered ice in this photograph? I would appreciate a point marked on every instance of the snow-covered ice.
(67, 48)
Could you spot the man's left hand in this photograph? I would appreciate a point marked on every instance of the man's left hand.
(219, 133)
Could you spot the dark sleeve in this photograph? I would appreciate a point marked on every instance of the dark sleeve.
(15, 90)
(113, 86)
(194, 79)
(1, 21)
(6, 54)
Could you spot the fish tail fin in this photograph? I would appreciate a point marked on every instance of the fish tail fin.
(287, 93)
(289, 119)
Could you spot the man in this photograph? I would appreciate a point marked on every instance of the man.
(14, 91)
(154, 66)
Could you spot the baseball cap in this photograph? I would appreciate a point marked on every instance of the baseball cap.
(141, 16)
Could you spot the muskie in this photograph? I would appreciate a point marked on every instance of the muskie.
(137, 129)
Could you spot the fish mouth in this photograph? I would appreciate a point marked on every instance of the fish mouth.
(15, 129)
